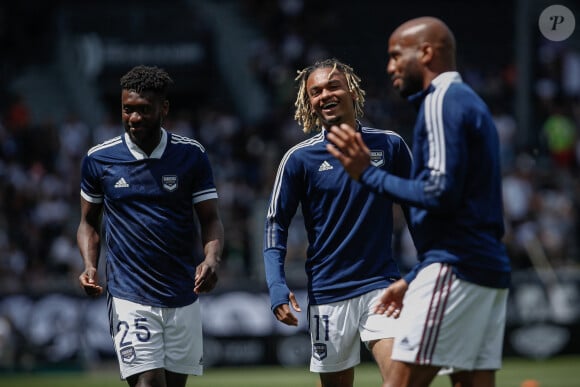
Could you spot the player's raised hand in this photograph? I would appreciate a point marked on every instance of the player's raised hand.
(349, 148)
(90, 282)
(391, 302)
(284, 314)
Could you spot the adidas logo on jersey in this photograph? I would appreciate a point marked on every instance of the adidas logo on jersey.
(325, 166)
(121, 183)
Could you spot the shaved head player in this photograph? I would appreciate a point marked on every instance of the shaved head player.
(453, 302)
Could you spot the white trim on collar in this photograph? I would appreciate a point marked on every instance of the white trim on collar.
(138, 152)
(446, 77)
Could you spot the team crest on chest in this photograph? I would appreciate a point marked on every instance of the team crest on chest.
(377, 158)
(170, 182)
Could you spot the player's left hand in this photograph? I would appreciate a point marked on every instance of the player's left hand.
(205, 277)
(285, 315)
(349, 148)
(391, 302)
(89, 280)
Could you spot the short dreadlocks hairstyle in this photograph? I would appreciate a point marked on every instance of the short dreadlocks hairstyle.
(144, 78)
(304, 114)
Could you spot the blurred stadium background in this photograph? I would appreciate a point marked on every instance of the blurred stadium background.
(234, 64)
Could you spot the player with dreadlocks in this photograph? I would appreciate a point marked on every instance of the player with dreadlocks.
(349, 259)
(147, 184)
(305, 113)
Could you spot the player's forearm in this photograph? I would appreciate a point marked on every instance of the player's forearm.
(213, 242)
(433, 195)
(274, 267)
(275, 277)
(89, 244)
(213, 252)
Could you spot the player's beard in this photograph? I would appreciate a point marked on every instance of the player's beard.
(335, 119)
(145, 133)
(410, 84)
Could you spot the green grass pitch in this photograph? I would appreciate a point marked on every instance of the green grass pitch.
(556, 372)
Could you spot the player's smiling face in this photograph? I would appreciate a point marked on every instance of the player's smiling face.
(330, 97)
(142, 114)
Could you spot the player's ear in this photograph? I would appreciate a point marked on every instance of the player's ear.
(165, 108)
(426, 53)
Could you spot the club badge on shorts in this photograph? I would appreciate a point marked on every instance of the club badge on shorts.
(319, 351)
(377, 158)
(169, 182)
(127, 355)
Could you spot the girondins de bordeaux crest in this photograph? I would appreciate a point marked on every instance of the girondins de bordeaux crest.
(377, 158)
(319, 351)
(127, 354)
(170, 182)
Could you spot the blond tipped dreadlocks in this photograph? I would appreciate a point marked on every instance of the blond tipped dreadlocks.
(305, 115)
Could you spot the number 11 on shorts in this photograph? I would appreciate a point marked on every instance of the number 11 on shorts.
(324, 320)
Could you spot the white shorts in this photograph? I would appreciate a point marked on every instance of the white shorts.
(147, 338)
(337, 329)
(448, 322)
